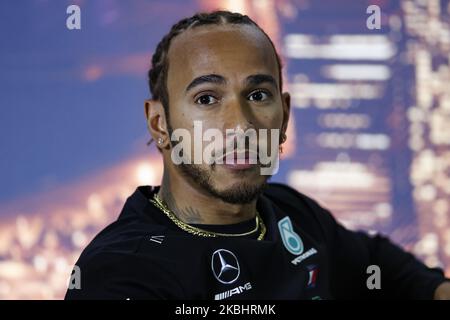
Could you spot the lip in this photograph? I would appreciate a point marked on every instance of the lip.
(243, 166)
(240, 166)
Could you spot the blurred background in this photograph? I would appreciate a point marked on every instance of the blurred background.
(369, 137)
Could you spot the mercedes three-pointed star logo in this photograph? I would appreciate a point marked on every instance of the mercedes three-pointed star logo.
(225, 266)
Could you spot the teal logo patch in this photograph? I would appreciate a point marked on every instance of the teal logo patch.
(292, 242)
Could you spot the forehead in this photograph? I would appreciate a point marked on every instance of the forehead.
(233, 51)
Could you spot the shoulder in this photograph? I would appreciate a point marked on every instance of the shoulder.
(121, 269)
(292, 200)
(119, 241)
(284, 194)
(306, 209)
(114, 262)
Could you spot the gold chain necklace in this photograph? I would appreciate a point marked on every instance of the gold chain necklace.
(159, 203)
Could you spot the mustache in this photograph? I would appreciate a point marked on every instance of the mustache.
(232, 150)
(242, 154)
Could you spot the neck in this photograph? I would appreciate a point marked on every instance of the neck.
(195, 206)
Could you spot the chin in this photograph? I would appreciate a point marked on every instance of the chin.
(240, 192)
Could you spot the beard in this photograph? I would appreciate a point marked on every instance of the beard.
(239, 193)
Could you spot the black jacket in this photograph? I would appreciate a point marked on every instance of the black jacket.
(305, 254)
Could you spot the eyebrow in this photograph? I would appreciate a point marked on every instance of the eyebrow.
(208, 78)
(252, 80)
(257, 79)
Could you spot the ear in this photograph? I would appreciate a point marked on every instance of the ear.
(156, 122)
(286, 99)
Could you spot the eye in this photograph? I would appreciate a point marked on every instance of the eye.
(206, 99)
(259, 95)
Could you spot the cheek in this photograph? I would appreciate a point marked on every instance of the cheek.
(187, 113)
(272, 119)
(182, 119)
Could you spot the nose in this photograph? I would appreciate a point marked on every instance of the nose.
(238, 116)
(238, 119)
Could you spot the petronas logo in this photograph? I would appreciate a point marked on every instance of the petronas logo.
(291, 240)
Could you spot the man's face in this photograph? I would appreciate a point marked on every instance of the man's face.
(234, 55)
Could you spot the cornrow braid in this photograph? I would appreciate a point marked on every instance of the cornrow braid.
(157, 75)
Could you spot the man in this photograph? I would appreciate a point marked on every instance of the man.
(218, 230)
